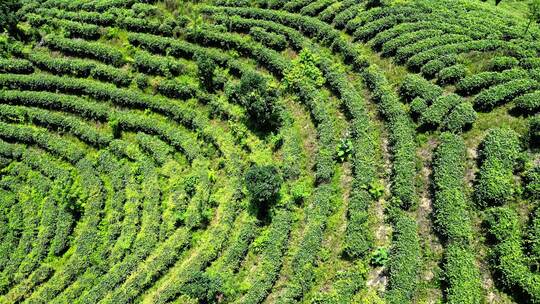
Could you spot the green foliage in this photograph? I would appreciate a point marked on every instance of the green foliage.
(175, 89)
(501, 63)
(81, 68)
(510, 263)
(463, 276)
(528, 103)
(358, 237)
(81, 48)
(272, 40)
(156, 65)
(502, 93)
(203, 287)
(461, 117)
(453, 221)
(376, 189)
(432, 68)
(475, 83)
(451, 74)
(531, 180)
(206, 68)
(117, 187)
(437, 112)
(418, 106)
(533, 13)
(499, 153)
(263, 184)
(260, 100)
(401, 137)
(379, 257)
(404, 260)
(17, 66)
(344, 149)
(416, 86)
(114, 124)
(303, 71)
(8, 18)
(451, 205)
(534, 131)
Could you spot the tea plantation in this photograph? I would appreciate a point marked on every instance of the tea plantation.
(269, 151)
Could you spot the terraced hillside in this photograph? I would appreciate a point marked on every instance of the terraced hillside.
(270, 151)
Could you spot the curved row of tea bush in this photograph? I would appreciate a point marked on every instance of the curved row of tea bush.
(454, 222)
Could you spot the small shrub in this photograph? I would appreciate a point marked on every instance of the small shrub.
(344, 149)
(379, 257)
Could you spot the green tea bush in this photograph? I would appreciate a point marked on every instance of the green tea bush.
(534, 131)
(17, 66)
(450, 204)
(71, 29)
(437, 112)
(531, 180)
(358, 238)
(81, 48)
(315, 7)
(271, 40)
(418, 106)
(499, 152)
(404, 260)
(433, 67)
(175, 89)
(156, 65)
(501, 63)
(475, 83)
(451, 74)
(460, 118)
(206, 68)
(81, 68)
(417, 60)
(410, 51)
(503, 93)
(528, 103)
(416, 86)
(465, 285)
(401, 133)
(390, 47)
(510, 262)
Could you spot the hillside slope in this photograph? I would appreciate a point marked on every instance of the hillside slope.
(269, 151)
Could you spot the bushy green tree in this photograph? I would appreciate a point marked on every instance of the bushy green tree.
(8, 20)
(263, 183)
(259, 99)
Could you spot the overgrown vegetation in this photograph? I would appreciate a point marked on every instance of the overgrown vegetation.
(270, 151)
